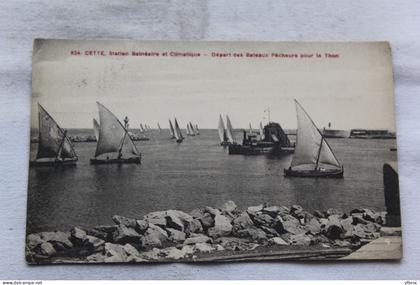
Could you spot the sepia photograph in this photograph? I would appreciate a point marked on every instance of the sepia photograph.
(176, 151)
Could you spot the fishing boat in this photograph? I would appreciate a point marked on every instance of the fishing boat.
(192, 130)
(313, 155)
(96, 129)
(114, 143)
(54, 146)
(178, 134)
(171, 130)
(222, 132)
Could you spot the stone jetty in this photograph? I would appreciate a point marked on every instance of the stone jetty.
(209, 233)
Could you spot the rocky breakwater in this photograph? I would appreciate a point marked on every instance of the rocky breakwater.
(206, 234)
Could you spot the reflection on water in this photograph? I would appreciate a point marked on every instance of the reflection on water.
(197, 173)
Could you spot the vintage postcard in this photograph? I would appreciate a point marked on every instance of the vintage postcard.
(212, 151)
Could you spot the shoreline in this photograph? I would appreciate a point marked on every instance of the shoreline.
(224, 233)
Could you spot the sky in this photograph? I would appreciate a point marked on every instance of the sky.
(353, 90)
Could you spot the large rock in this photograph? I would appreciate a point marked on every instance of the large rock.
(157, 218)
(206, 220)
(94, 243)
(173, 221)
(57, 237)
(347, 225)
(332, 211)
(203, 247)
(193, 226)
(154, 237)
(300, 239)
(78, 235)
(222, 227)
(273, 211)
(175, 235)
(114, 253)
(261, 219)
(125, 235)
(213, 211)
(242, 222)
(254, 209)
(292, 225)
(229, 207)
(128, 222)
(106, 228)
(173, 253)
(33, 240)
(141, 226)
(47, 249)
(253, 233)
(197, 238)
(296, 211)
(153, 254)
(313, 226)
(371, 216)
(236, 244)
(278, 241)
(99, 234)
(333, 229)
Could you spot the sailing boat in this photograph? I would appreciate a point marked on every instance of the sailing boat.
(190, 129)
(171, 129)
(159, 127)
(142, 130)
(229, 131)
(262, 137)
(250, 129)
(114, 143)
(222, 132)
(196, 131)
(54, 147)
(178, 134)
(313, 155)
(96, 129)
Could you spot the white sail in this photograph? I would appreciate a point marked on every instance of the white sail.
(159, 127)
(141, 128)
(171, 129)
(197, 132)
(221, 129)
(229, 130)
(113, 137)
(192, 131)
(96, 128)
(262, 132)
(53, 141)
(311, 147)
(188, 130)
(178, 134)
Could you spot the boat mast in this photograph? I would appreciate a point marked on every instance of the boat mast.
(319, 154)
(61, 144)
(125, 134)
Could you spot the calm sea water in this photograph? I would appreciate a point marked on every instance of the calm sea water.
(196, 173)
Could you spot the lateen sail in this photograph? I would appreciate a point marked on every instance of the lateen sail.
(171, 129)
(221, 129)
(311, 148)
(53, 143)
(96, 129)
(113, 137)
(159, 127)
(178, 134)
(229, 130)
(197, 132)
(188, 130)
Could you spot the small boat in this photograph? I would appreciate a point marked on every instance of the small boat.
(54, 146)
(197, 132)
(114, 143)
(222, 132)
(96, 129)
(192, 130)
(313, 155)
(178, 134)
(171, 129)
(142, 130)
(160, 130)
